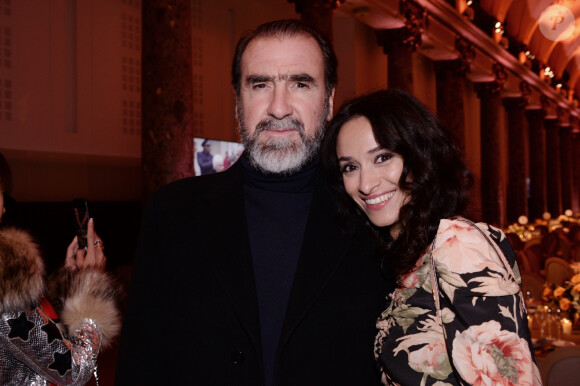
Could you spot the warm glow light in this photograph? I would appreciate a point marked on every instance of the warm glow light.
(566, 326)
(548, 72)
(469, 3)
(498, 25)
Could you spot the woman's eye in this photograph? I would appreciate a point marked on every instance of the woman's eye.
(347, 169)
(384, 157)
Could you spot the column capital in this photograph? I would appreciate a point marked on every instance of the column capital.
(466, 53)
(409, 35)
(525, 89)
(535, 115)
(514, 103)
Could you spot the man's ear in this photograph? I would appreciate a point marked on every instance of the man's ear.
(331, 105)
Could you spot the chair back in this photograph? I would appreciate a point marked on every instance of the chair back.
(575, 251)
(560, 367)
(565, 247)
(574, 234)
(534, 283)
(523, 262)
(558, 270)
(515, 241)
(535, 257)
(550, 245)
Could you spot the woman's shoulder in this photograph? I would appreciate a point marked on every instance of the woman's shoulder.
(465, 256)
(465, 247)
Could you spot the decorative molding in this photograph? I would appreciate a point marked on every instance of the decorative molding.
(525, 89)
(416, 23)
(457, 23)
(466, 53)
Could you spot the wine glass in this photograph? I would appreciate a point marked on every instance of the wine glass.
(528, 298)
(558, 318)
(541, 316)
(549, 319)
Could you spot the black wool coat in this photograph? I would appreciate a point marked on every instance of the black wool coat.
(192, 312)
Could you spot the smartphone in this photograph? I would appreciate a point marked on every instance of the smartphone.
(81, 219)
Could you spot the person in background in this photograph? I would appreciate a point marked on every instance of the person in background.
(205, 158)
(246, 277)
(52, 341)
(457, 316)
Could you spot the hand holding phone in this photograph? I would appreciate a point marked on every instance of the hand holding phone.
(81, 217)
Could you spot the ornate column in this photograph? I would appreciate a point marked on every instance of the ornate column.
(167, 135)
(318, 13)
(576, 165)
(553, 184)
(450, 78)
(400, 44)
(566, 166)
(537, 197)
(492, 197)
(517, 192)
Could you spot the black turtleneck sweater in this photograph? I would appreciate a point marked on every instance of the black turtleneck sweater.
(277, 210)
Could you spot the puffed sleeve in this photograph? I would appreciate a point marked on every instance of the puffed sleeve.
(485, 321)
(62, 354)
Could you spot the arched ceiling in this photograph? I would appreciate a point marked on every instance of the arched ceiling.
(522, 21)
(524, 24)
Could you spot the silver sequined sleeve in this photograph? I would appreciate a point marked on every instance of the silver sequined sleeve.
(33, 350)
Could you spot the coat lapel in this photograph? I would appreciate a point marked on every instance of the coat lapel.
(222, 221)
(322, 253)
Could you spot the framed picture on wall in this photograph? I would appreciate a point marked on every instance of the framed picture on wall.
(214, 156)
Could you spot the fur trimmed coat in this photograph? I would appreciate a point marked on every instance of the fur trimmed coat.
(35, 346)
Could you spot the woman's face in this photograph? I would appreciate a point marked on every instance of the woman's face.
(370, 173)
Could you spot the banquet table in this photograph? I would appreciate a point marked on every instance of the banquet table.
(552, 341)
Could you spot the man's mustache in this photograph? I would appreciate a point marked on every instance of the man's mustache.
(286, 123)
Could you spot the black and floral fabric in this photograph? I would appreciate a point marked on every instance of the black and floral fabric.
(484, 337)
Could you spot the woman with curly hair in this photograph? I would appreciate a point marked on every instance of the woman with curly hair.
(51, 333)
(457, 315)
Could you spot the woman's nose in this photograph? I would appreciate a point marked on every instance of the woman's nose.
(369, 181)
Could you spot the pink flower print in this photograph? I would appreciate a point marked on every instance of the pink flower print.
(487, 355)
(431, 360)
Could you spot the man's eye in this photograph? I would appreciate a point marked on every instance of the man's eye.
(302, 85)
(258, 85)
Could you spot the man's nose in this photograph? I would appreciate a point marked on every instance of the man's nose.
(280, 105)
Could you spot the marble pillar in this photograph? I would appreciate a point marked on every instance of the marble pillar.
(492, 195)
(450, 77)
(537, 195)
(566, 166)
(317, 13)
(400, 58)
(553, 179)
(167, 81)
(517, 192)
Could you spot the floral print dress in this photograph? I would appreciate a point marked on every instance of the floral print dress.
(485, 338)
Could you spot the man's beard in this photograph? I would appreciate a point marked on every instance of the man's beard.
(281, 155)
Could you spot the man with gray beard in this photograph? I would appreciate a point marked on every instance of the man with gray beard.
(247, 277)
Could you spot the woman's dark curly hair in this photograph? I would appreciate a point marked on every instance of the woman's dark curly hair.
(434, 172)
